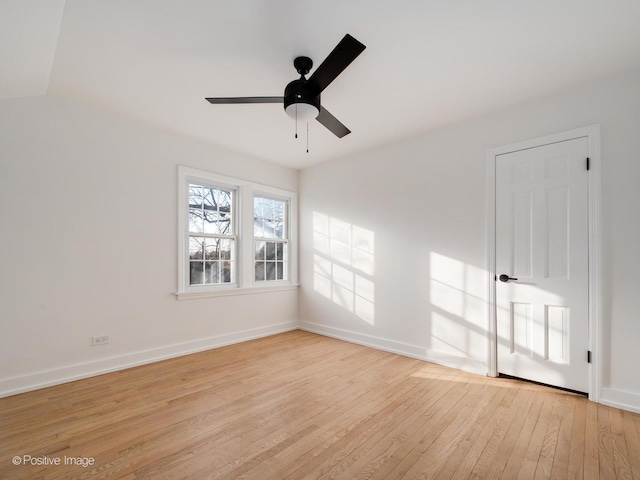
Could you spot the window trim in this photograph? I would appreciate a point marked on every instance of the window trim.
(244, 192)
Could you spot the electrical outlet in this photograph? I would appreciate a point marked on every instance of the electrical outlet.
(100, 340)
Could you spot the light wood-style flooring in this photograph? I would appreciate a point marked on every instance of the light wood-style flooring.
(301, 406)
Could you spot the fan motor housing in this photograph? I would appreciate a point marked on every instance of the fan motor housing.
(298, 92)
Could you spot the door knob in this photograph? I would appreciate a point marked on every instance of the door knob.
(506, 278)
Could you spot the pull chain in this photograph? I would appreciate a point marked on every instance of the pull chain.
(296, 121)
(307, 137)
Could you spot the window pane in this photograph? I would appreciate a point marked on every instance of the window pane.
(280, 271)
(209, 202)
(226, 249)
(212, 249)
(258, 227)
(218, 249)
(223, 200)
(272, 208)
(217, 223)
(210, 210)
(211, 274)
(260, 250)
(195, 220)
(271, 251)
(196, 247)
(195, 273)
(268, 217)
(257, 207)
(277, 210)
(268, 230)
(259, 271)
(270, 271)
(226, 271)
(195, 196)
(279, 229)
(279, 251)
(209, 221)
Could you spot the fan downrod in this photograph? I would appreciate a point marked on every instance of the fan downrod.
(303, 65)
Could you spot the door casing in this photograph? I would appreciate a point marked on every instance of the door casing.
(592, 133)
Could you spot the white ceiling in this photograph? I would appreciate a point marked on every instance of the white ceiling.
(428, 63)
(28, 38)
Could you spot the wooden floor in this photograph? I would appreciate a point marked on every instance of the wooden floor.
(301, 406)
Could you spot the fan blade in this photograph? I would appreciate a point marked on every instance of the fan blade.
(332, 123)
(345, 52)
(245, 100)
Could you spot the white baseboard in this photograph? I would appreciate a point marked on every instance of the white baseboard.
(620, 399)
(46, 378)
(70, 373)
(405, 349)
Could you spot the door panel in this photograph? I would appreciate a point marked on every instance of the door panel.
(542, 243)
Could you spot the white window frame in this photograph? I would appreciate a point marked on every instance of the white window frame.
(285, 240)
(233, 235)
(244, 246)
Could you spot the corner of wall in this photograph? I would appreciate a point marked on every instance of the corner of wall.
(405, 349)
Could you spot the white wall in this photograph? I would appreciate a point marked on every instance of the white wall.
(423, 202)
(88, 245)
(88, 240)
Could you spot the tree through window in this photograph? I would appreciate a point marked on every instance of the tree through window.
(211, 235)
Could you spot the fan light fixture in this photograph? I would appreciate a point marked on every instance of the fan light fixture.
(302, 111)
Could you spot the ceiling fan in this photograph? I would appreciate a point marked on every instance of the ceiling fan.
(302, 97)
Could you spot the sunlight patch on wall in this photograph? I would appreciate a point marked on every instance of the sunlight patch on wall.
(344, 265)
(457, 298)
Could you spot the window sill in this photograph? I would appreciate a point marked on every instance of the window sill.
(234, 291)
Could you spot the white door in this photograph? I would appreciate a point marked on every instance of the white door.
(542, 246)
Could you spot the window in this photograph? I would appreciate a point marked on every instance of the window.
(270, 239)
(211, 235)
(234, 236)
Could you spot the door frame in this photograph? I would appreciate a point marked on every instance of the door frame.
(592, 133)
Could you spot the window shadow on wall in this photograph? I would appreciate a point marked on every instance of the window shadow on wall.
(343, 265)
(458, 306)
